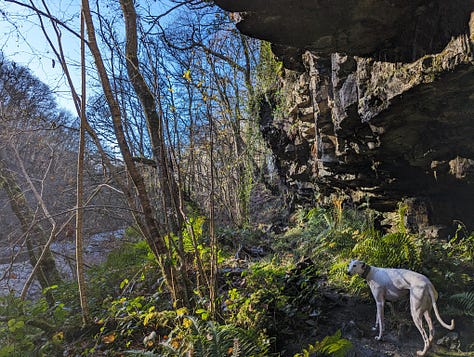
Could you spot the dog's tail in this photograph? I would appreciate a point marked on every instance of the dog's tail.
(434, 296)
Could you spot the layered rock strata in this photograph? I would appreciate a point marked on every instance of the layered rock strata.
(379, 99)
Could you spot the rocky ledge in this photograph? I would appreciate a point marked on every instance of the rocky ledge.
(393, 30)
(379, 99)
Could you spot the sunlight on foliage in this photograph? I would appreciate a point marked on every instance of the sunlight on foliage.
(209, 339)
(333, 345)
(391, 250)
(260, 307)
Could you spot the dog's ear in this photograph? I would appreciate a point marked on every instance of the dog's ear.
(363, 265)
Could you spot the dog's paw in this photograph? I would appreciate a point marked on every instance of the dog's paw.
(422, 353)
(378, 338)
(374, 328)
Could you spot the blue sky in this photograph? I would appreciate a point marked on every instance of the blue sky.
(22, 41)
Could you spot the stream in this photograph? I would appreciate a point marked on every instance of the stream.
(13, 274)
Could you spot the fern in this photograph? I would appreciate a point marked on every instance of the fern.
(333, 345)
(401, 250)
(398, 249)
(462, 304)
(209, 339)
(236, 348)
(393, 250)
(192, 234)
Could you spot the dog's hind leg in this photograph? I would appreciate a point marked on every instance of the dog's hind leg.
(417, 303)
(419, 325)
(417, 316)
(430, 325)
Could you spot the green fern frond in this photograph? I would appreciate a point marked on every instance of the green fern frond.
(369, 249)
(192, 232)
(333, 345)
(462, 304)
(391, 250)
(241, 341)
(401, 250)
(402, 210)
(336, 346)
(236, 348)
(209, 339)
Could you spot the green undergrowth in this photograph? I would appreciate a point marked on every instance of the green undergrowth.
(264, 302)
(331, 237)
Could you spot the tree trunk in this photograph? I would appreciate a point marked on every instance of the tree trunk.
(148, 225)
(168, 185)
(35, 235)
(80, 190)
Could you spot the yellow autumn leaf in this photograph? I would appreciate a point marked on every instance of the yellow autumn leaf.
(149, 316)
(187, 323)
(181, 311)
(187, 75)
(58, 337)
(109, 338)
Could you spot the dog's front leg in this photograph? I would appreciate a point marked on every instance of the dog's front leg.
(379, 318)
(376, 326)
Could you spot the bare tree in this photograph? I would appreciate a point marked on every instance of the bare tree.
(80, 188)
(35, 234)
(216, 66)
(148, 224)
(26, 110)
(178, 106)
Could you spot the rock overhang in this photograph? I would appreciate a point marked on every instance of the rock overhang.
(393, 30)
(392, 84)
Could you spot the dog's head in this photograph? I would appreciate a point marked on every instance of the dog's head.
(356, 267)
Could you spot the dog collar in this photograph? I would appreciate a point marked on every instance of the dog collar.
(366, 271)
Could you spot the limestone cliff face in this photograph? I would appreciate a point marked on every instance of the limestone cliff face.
(379, 98)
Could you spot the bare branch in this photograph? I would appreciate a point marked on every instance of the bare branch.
(54, 19)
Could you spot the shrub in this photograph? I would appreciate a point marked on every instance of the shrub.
(31, 328)
(253, 305)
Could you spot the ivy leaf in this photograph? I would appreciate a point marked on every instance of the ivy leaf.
(123, 283)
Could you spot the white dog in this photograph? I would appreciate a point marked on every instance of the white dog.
(391, 284)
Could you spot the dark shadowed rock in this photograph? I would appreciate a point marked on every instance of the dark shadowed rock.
(393, 30)
(379, 102)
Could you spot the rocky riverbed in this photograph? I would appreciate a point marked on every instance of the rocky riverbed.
(15, 266)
